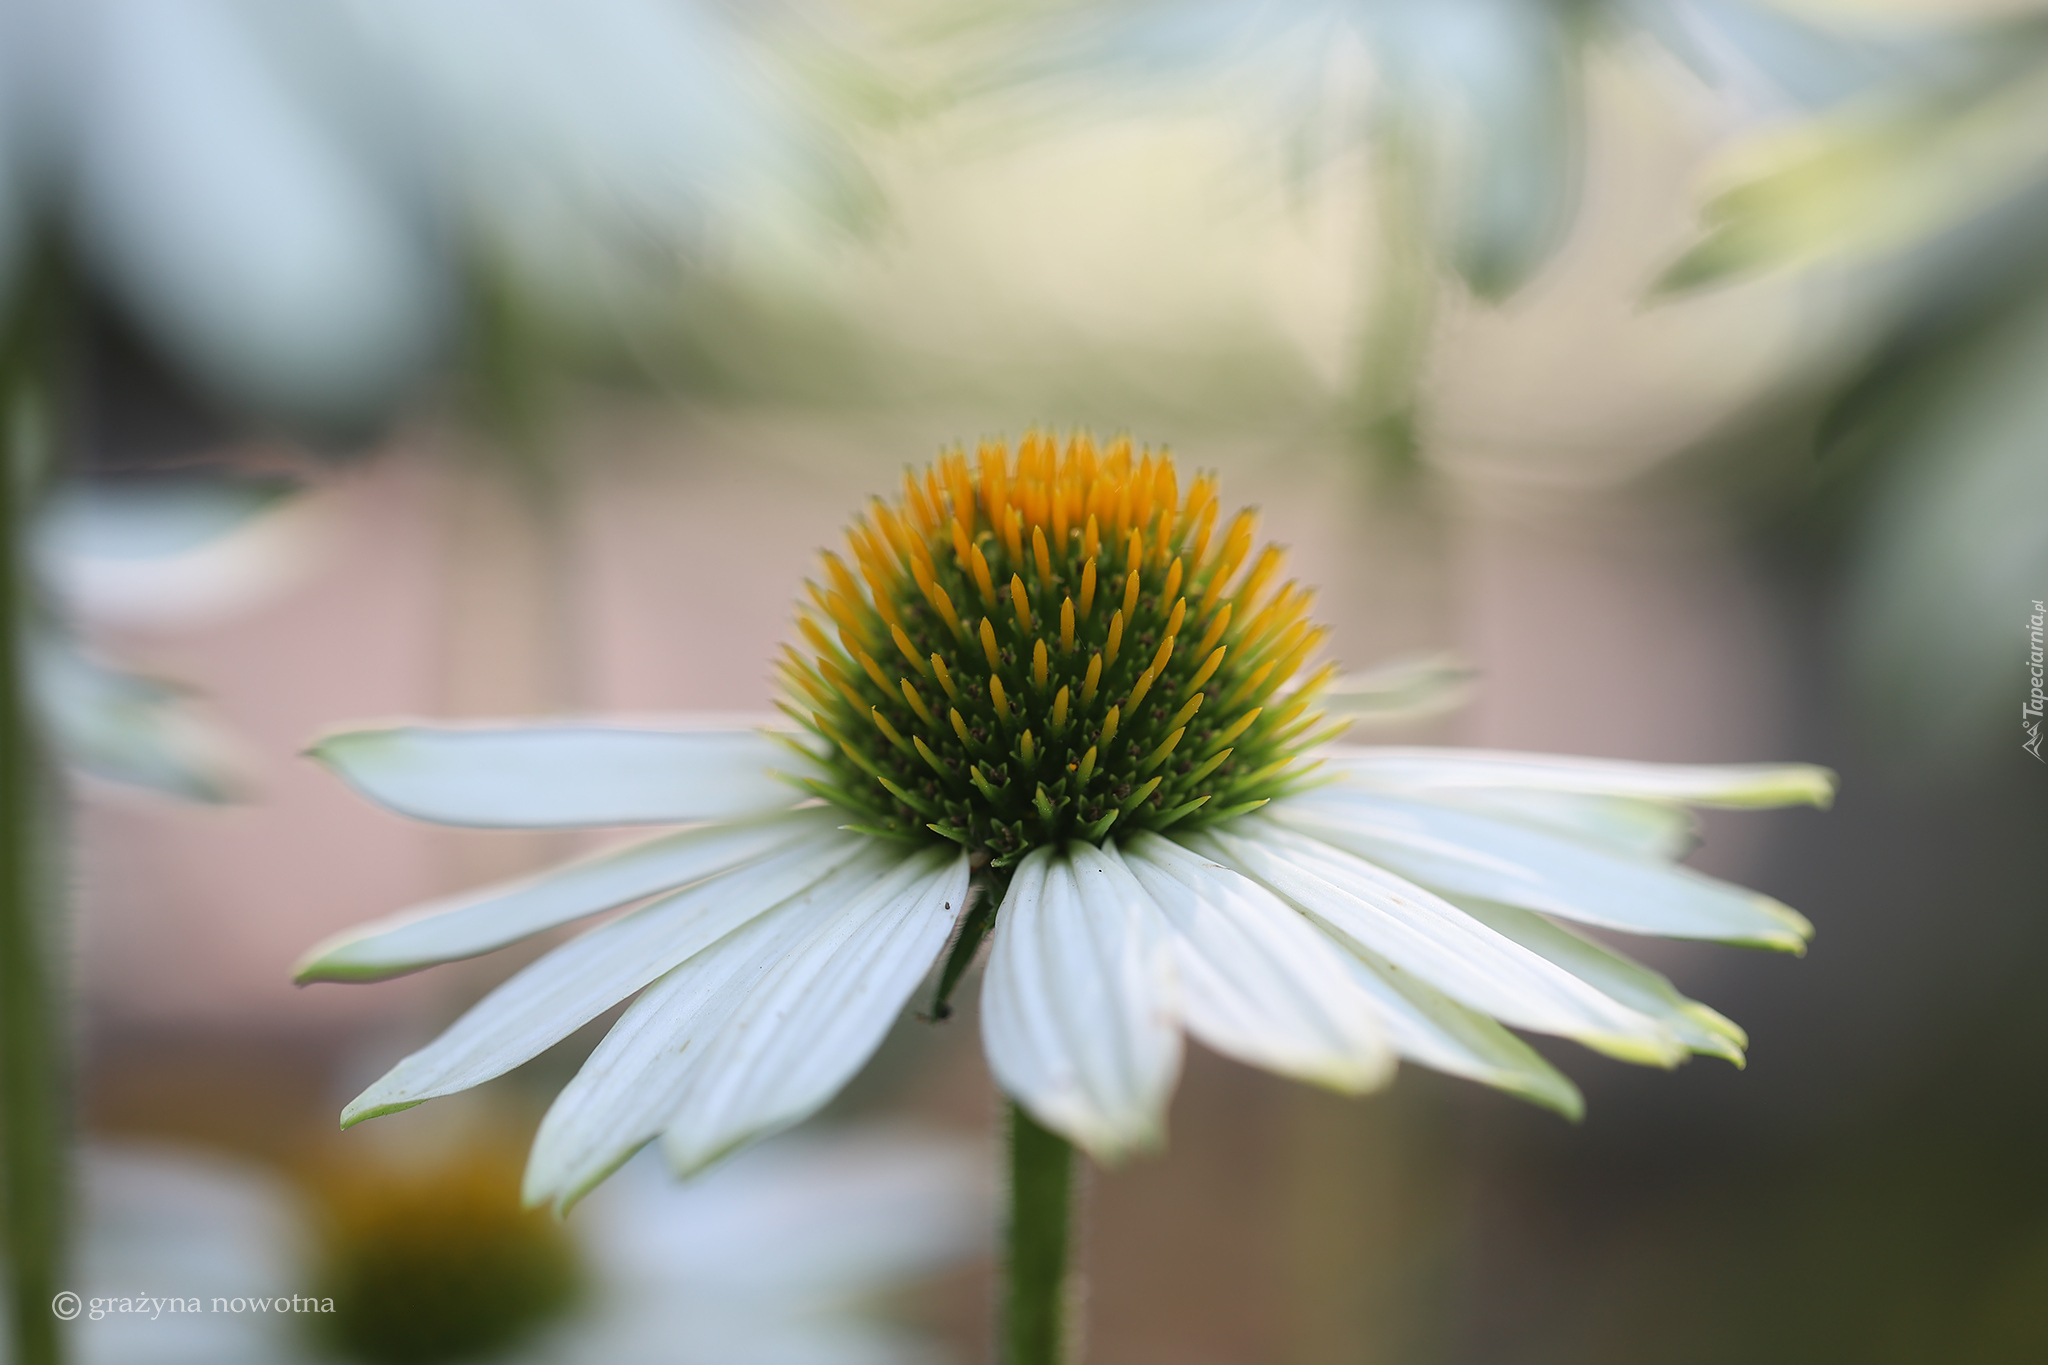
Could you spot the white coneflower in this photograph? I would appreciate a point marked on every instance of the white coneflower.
(777, 1258)
(1054, 700)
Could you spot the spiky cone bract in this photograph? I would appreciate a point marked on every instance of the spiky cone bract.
(1022, 654)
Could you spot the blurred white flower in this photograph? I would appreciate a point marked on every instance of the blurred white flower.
(1482, 99)
(774, 1258)
(292, 200)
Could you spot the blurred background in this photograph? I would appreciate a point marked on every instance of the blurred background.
(1681, 364)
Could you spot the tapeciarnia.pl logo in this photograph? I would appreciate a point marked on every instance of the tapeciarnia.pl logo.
(2030, 711)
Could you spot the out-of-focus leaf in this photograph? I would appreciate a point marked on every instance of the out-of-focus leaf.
(1494, 87)
(1485, 91)
(1734, 43)
(1488, 92)
(127, 728)
(1869, 183)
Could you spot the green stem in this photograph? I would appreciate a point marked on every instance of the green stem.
(1041, 1204)
(32, 1108)
(990, 886)
(1395, 344)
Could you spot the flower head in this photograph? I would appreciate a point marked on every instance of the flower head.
(435, 1263)
(1054, 681)
(1051, 648)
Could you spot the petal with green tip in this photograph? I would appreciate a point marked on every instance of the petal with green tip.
(1462, 853)
(482, 921)
(1433, 1030)
(1258, 982)
(758, 1030)
(1742, 785)
(552, 997)
(1627, 981)
(1363, 906)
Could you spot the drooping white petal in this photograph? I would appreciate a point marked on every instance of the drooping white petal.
(553, 776)
(1660, 830)
(1080, 1005)
(576, 982)
(1634, 985)
(1430, 1028)
(481, 921)
(1420, 933)
(1258, 981)
(811, 1019)
(1465, 853)
(760, 1029)
(626, 1090)
(1747, 785)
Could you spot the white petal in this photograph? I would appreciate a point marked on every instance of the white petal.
(627, 1088)
(728, 1011)
(1436, 1031)
(587, 975)
(1634, 985)
(1700, 784)
(1258, 981)
(483, 920)
(1419, 933)
(1659, 830)
(1079, 1007)
(1464, 853)
(546, 776)
(813, 1019)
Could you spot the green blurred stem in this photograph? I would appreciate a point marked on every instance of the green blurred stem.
(514, 401)
(1041, 1206)
(1394, 344)
(32, 1098)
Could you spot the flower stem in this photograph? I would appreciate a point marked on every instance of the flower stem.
(32, 1108)
(1041, 1203)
